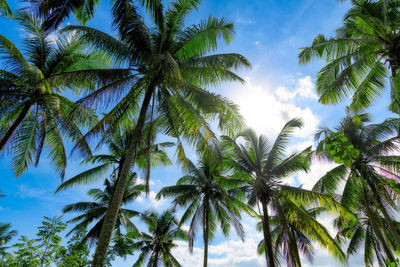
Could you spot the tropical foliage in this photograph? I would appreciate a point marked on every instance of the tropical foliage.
(34, 114)
(263, 165)
(169, 65)
(210, 198)
(143, 91)
(358, 55)
(155, 246)
(370, 185)
(93, 212)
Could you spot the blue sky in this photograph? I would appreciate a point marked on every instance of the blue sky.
(269, 33)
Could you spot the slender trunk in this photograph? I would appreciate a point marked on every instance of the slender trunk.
(112, 211)
(269, 254)
(206, 230)
(395, 94)
(14, 126)
(293, 249)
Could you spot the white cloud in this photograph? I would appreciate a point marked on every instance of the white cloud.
(268, 110)
(317, 170)
(150, 201)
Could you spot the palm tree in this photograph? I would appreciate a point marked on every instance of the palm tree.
(170, 64)
(359, 55)
(304, 228)
(56, 12)
(150, 155)
(263, 165)
(209, 197)
(370, 182)
(5, 236)
(34, 115)
(94, 212)
(5, 9)
(157, 244)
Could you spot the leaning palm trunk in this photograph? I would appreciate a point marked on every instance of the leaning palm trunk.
(267, 235)
(112, 211)
(14, 126)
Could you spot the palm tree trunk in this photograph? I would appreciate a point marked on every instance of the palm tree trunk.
(14, 126)
(112, 211)
(394, 93)
(269, 254)
(206, 230)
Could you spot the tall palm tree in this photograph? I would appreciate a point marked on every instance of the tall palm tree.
(170, 64)
(263, 165)
(94, 212)
(34, 115)
(5, 236)
(156, 245)
(5, 9)
(359, 55)
(370, 182)
(209, 198)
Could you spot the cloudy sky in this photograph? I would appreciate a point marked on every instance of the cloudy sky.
(269, 33)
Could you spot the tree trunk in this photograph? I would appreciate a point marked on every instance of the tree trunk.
(269, 254)
(14, 126)
(205, 231)
(395, 94)
(112, 211)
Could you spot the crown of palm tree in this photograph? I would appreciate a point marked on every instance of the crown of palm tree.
(358, 54)
(56, 12)
(155, 246)
(94, 212)
(370, 184)
(150, 155)
(34, 115)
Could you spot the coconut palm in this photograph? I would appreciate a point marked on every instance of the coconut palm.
(94, 212)
(34, 115)
(156, 245)
(170, 65)
(209, 197)
(5, 9)
(56, 12)
(370, 182)
(304, 228)
(5, 236)
(150, 155)
(263, 165)
(359, 55)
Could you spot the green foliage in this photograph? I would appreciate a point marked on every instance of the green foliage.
(340, 149)
(46, 248)
(370, 189)
(93, 212)
(359, 55)
(5, 236)
(5, 9)
(76, 254)
(156, 245)
(209, 198)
